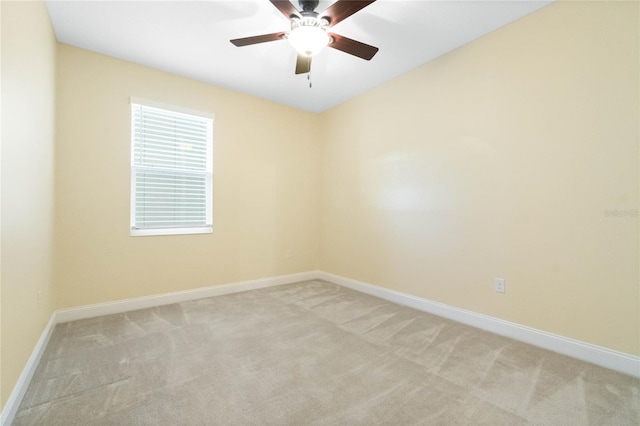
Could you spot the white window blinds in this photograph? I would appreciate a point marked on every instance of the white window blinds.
(171, 171)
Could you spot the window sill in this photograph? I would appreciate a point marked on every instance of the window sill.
(170, 231)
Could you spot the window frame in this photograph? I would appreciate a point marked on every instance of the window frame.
(182, 230)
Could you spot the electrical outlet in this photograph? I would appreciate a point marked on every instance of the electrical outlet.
(499, 285)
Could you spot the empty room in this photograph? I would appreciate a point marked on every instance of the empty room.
(334, 212)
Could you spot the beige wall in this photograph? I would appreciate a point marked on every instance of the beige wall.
(499, 160)
(265, 186)
(28, 86)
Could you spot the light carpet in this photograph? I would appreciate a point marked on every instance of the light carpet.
(310, 353)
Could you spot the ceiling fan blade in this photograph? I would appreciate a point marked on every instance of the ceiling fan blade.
(303, 64)
(352, 47)
(342, 9)
(246, 41)
(286, 8)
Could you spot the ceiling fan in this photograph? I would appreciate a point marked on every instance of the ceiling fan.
(309, 33)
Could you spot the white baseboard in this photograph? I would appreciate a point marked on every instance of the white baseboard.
(11, 407)
(126, 305)
(614, 360)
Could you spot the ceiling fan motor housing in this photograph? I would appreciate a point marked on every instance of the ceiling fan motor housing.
(308, 5)
(308, 16)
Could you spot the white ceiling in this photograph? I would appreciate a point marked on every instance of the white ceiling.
(191, 38)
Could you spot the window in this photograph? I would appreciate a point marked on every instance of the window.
(171, 170)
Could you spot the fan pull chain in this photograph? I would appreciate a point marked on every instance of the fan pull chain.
(309, 79)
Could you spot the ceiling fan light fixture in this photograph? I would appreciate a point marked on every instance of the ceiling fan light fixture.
(309, 38)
